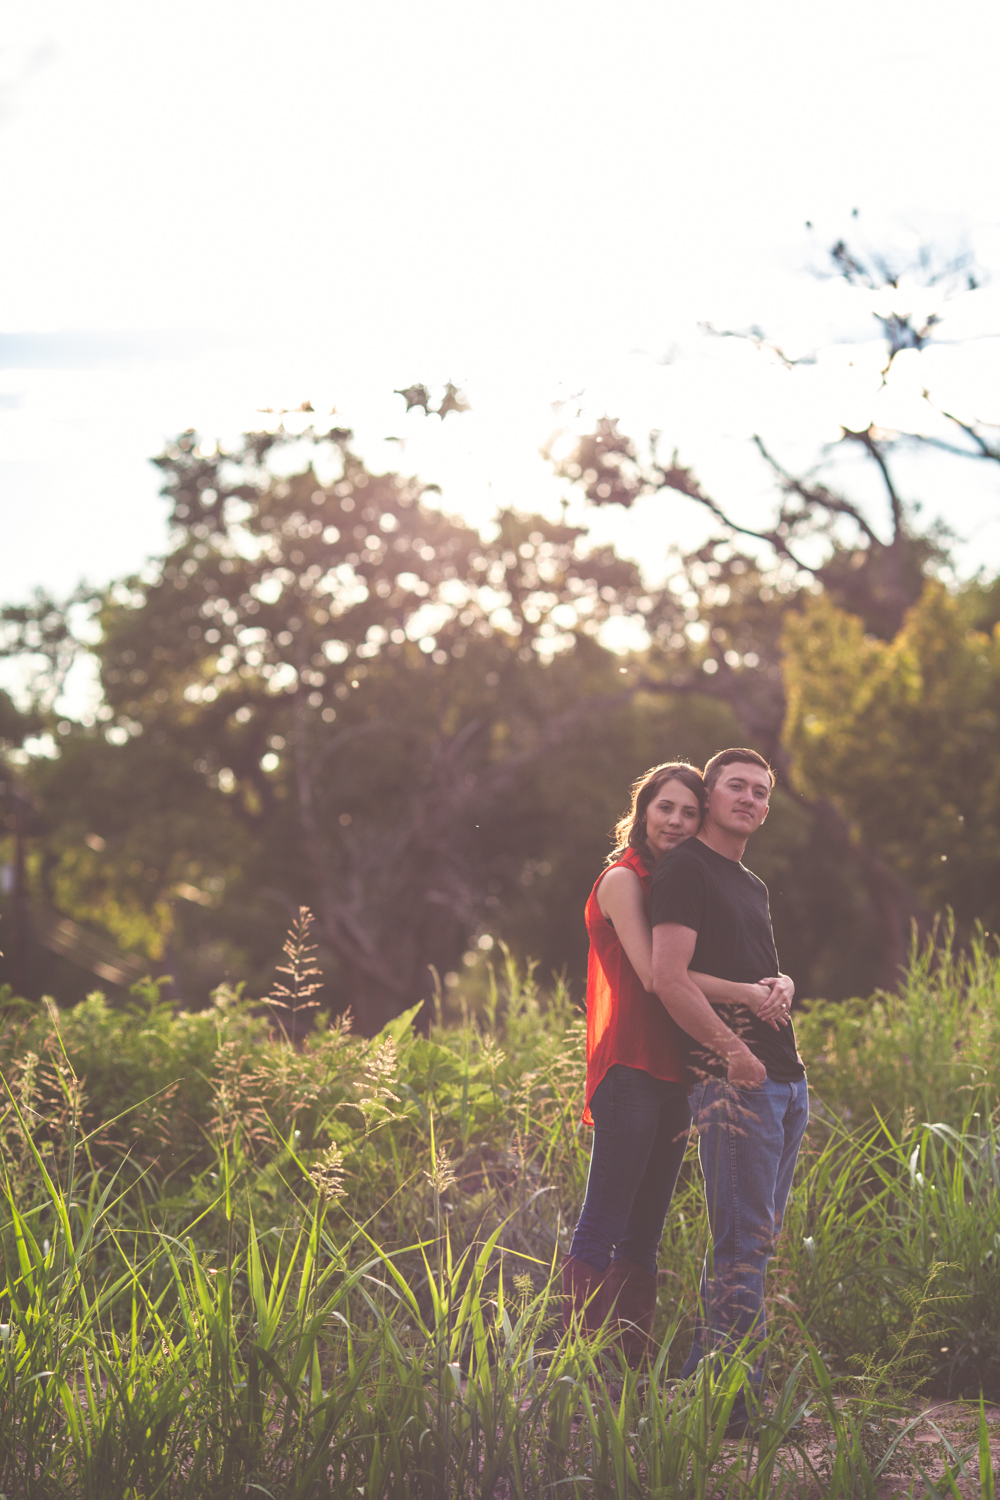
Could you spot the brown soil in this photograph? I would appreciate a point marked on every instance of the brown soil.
(954, 1423)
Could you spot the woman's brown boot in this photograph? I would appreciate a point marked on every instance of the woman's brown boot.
(583, 1294)
(630, 1298)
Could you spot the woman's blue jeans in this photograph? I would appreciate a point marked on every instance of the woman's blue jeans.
(748, 1140)
(641, 1126)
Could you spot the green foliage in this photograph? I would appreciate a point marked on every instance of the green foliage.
(922, 1052)
(902, 736)
(331, 693)
(230, 1262)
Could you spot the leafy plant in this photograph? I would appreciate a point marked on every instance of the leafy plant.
(332, 1267)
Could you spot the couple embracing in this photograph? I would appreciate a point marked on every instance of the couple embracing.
(688, 1017)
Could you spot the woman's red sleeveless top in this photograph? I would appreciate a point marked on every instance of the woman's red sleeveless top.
(625, 1024)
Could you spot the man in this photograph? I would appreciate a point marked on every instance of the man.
(747, 1085)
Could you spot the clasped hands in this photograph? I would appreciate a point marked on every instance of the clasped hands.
(771, 1000)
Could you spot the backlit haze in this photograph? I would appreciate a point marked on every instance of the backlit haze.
(213, 208)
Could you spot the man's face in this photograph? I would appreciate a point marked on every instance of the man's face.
(738, 802)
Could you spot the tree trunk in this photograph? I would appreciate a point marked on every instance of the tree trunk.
(898, 913)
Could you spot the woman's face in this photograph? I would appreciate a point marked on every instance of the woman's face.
(672, 816)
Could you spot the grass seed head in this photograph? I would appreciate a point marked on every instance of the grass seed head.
(327, 1174)
(442, 1176)
(381, 1067)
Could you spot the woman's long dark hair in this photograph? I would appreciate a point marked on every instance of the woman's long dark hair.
(630, 830)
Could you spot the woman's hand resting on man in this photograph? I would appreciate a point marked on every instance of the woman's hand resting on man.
(771, 999)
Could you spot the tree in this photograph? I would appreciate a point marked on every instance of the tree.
(331, 693)
(328, 693)
(741, 603)
(902, 737)
(744, 581)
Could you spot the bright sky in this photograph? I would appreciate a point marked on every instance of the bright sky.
(215, 207)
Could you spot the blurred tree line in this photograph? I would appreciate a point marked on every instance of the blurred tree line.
(331, 693)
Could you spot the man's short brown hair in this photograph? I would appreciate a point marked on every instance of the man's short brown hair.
(714, 766)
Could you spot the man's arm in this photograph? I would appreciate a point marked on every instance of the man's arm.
(620, 898)
(673, 949)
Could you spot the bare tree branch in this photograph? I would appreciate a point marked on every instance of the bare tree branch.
(759, 340)
(816, 494)
(676, 477)
(971, 432)
(874, 451)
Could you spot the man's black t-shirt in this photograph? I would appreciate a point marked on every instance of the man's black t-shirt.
(726, 905)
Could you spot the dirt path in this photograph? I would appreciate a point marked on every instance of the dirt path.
(943, 1427)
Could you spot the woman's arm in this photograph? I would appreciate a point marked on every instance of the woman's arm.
(728, 992)
(766, 998)
(620, 898)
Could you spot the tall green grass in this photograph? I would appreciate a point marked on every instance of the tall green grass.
(922, 1052)
(234, 1267)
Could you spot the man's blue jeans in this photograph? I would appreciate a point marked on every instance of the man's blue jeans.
(748, 1140)
(641, 1126)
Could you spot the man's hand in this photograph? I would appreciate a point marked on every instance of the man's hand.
(745, 1070)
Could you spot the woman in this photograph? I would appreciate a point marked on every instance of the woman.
(636, 1097)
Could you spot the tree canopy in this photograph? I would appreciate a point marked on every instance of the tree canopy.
(902, 736)
(330, 692)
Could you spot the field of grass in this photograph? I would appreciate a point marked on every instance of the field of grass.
(234, 1267)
